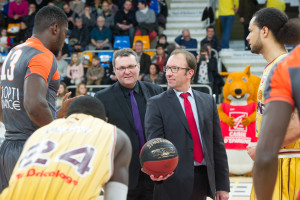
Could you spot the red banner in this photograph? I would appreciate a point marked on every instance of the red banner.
(238, 137)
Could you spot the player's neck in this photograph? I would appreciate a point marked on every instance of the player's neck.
(271, 52)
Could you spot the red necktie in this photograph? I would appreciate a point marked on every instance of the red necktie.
(198, 152)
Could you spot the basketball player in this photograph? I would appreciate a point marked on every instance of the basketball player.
(282, 96)
(269, 30)
(73, 158)
(29, 83)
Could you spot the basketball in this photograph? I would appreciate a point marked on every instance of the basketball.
(158, 157)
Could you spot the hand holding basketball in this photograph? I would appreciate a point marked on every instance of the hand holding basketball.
(158, 158)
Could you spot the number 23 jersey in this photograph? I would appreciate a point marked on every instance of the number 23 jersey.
(24, 60)
(68, 159)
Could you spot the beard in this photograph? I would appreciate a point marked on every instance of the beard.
(257, 46)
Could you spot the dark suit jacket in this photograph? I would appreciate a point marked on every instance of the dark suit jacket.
(165, 118)
(145, 63)
(119, 114)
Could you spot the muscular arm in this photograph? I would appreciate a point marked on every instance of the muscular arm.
(274, 125)
(35, 103)
(292, 135)
(116, 187)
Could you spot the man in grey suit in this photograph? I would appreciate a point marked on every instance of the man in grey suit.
(125, 104)
(189, 119)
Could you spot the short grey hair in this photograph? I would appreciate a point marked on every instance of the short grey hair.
(126, 52)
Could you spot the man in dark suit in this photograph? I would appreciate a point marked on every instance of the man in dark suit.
(144, 59)
(189, 119)
(125, 103)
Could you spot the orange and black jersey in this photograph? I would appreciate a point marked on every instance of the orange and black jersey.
(283, 83)
(31, 57)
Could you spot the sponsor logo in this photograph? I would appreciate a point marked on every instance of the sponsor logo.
(55, 174)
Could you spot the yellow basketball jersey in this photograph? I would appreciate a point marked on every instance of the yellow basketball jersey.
(260, 93)
(288, 176)
(70, 158)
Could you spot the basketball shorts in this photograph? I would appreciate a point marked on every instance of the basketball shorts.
(10, 152)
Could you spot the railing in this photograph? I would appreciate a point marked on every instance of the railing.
(164, 86)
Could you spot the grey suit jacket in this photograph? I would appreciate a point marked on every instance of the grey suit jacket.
(165, 118)
(119, 114)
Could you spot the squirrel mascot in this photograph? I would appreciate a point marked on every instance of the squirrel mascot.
(237, 114)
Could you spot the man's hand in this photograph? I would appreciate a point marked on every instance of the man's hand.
(251, 149)
(222, 195)
(160, 178)
(242, 19)
(65, 105)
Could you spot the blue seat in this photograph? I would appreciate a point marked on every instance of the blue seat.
(105, 58)
(122, 42)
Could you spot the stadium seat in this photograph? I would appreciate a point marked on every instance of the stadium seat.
(105, 58)
(122, 42)
(13, 28)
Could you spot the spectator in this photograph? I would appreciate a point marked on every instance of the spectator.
(100, 36)
(162, 39)
(81, 89)
(89, 18)
(59, 3)
(75, 70)
(4, 41)
(143, 59)
(22, 35)
(95, 72)
(96, 7)
(62, 91)
(71, 16)
(186, 42)
(246, 10)
(112, 6)
(146, 19)
(163, 14)
(17, 10)
(29, 19)
(280, 4)
(62, 67)
(107, 14)
(77, 6)
(39, 3)
(109, 76)
(205, 71)
(160, 58)
(125, 21)
(65, 50)
(211, 39)
(227, 9)
(154, 75)
(79, 37)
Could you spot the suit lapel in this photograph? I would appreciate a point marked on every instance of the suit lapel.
(125, 109)
(145, 90)
(179, 112)
(200, 106)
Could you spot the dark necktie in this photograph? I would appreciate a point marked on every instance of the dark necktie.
(137, 119)
(198, 152)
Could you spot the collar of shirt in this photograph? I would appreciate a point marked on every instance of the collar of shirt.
(126, 91)
(178, 93)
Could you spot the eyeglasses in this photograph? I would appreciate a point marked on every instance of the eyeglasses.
(174, 69)
(123, 69)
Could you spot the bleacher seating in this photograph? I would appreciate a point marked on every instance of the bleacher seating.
(105, 58)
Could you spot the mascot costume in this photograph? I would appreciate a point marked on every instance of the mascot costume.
(237, 114)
